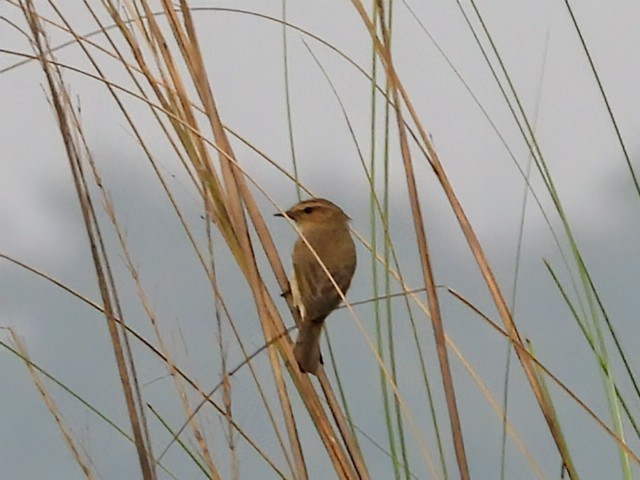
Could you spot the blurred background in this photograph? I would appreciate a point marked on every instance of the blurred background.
(304, 99)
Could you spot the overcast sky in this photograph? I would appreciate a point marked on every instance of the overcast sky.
(40, 222)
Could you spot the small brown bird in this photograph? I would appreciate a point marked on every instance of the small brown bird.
(326, 228)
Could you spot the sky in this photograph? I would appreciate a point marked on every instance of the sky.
(41, 224)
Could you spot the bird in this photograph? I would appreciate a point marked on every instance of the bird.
(325, 227)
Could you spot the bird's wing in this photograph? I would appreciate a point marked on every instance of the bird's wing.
(317, 293)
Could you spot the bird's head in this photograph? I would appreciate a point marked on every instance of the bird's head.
(315, 212)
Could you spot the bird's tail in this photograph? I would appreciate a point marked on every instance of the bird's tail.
(307, 347)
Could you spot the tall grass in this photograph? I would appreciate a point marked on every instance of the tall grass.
(159, 48)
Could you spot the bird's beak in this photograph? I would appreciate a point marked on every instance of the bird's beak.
(282, 215)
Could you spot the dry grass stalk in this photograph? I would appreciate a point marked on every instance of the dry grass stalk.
(474, 245)
(206, 397)
(226, 201)
(80, 459)
(384, 53)
(67, 123)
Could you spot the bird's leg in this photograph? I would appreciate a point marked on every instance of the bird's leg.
(286, 293)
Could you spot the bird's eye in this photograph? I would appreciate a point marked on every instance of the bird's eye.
(308, 210)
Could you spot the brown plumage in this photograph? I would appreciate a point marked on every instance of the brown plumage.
(326, 228)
